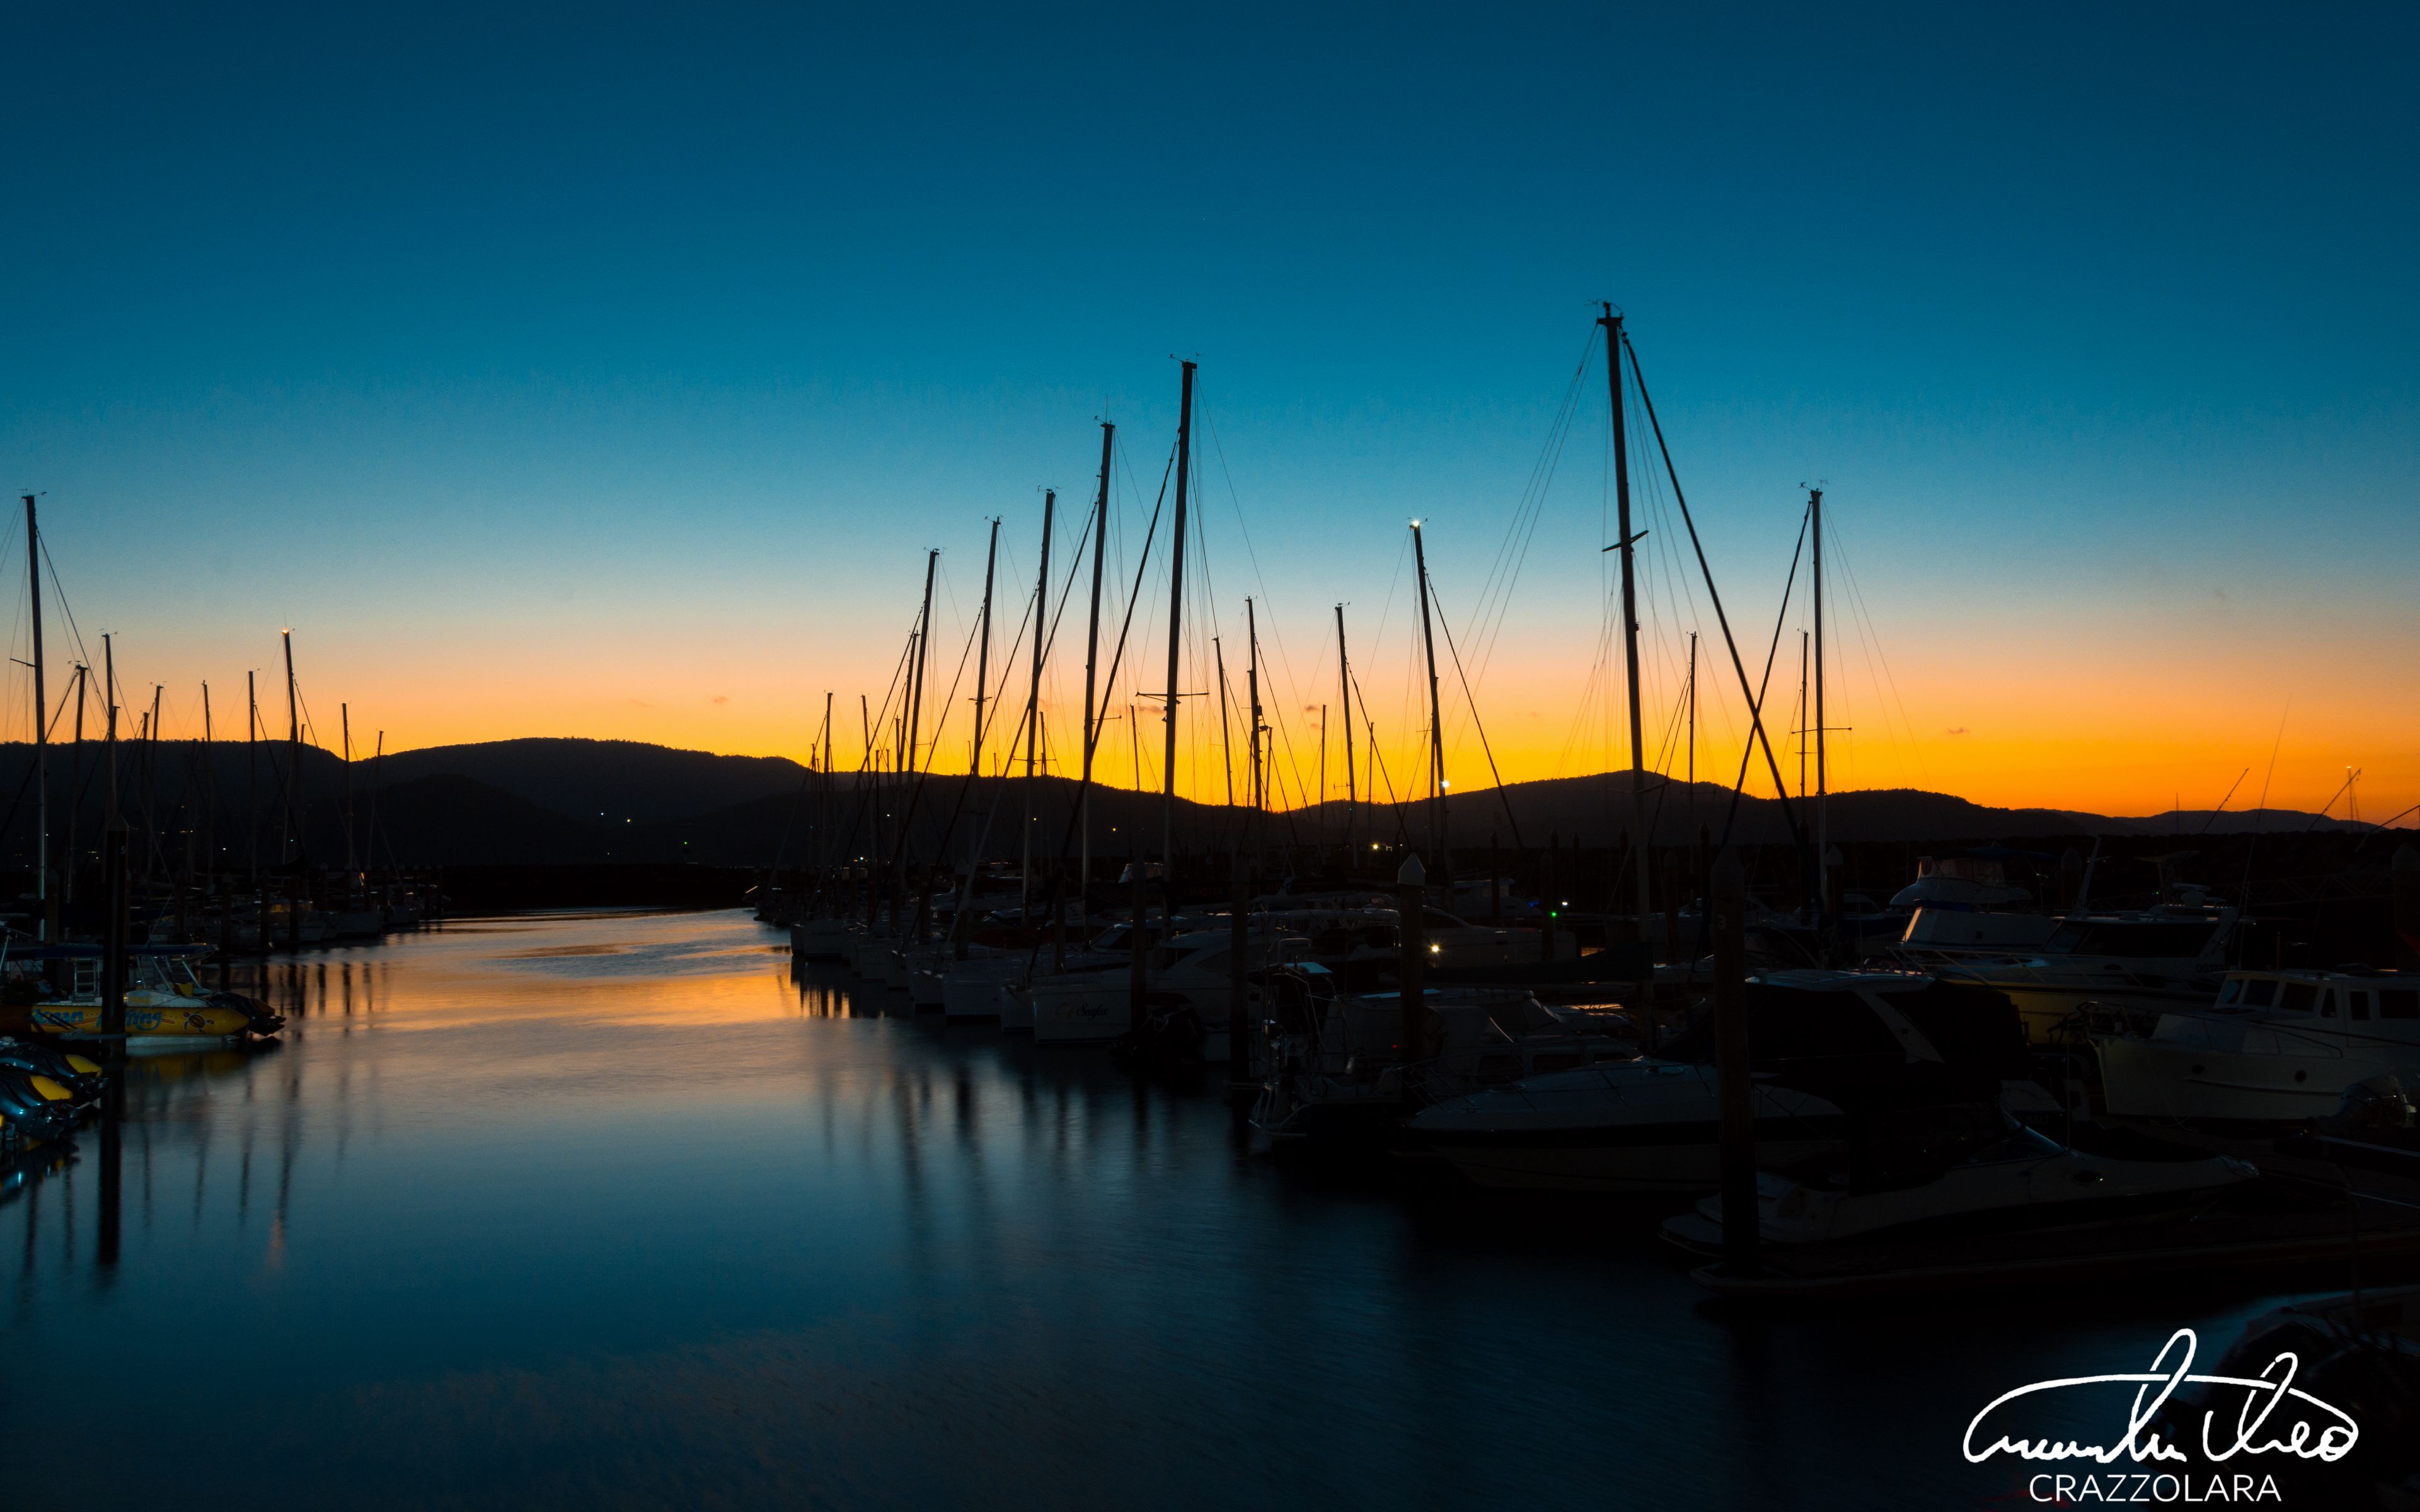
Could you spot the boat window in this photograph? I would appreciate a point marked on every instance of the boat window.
(2261, 992)
(2399, 1002)
(2231, 993)
(2298, 997)
(2357, 1005)
(1437, 918)
(2130, 938)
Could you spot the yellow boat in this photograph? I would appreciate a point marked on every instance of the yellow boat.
(167, 1008)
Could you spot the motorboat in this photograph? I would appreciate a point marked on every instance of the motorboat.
(1963, 1169)
(2275, 1046)
(2096, 972)
(167, 1008)
(1827, 1049)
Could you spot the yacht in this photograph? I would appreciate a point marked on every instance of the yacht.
(2099, 970)
(1827, 1048)
(2275, 1046)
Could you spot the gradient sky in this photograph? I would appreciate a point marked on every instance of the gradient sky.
(607, 370)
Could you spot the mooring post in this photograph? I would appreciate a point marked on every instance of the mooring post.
(1411, 895)
(1730, 902)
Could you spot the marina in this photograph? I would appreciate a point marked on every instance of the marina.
(599, 1209)
(862, 759)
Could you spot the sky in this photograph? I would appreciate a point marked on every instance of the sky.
(609, 370)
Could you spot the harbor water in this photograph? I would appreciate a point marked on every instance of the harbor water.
(616, 1210)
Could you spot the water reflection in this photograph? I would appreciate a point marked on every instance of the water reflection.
(620, 1209)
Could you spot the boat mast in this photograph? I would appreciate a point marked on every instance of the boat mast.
(210, 796)
(293, 752)
(1252, 708)
(1092, 655)
(1175, 637)
(1823, 854)
(1033, 705)
(1226, 721)
(252, 799)
(911, 730)
(1629, 545)
(1344, 702)
(1803, 730)
(345, 722)
(109, 702)
(983, 680)
(295, 887)
(1436, 722)
(42, 734)
(75, 788)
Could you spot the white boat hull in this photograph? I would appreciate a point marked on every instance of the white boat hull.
(2277, 1076)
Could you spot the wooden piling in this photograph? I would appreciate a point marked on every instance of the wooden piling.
(1729, 903)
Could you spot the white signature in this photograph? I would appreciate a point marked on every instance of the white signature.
(2263, 1393)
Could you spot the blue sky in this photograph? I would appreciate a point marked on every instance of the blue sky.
(545, 363)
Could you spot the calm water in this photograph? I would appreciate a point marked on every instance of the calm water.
(611, 1210)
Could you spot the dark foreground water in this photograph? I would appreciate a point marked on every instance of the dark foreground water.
(611, 1210)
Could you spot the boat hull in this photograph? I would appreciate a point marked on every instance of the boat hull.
(2286, 1084)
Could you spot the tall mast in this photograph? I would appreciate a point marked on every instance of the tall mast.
(1175, 632)
(378, 781)
(1612, 324)
(344, 722)
(923, 655)
(1803, 729)
(296, 886)
(42, 734)
(1033, 703)
(252, 784)
(1693, 715)
(1092, 654)
(293, 750)
(1344, 702)
(983, 680)
(210, 786)
(911, 732)
(109, 702)
(1436, 724)
(75, 786)
(1226, 720)
(1823, 851)
(1252, 711)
